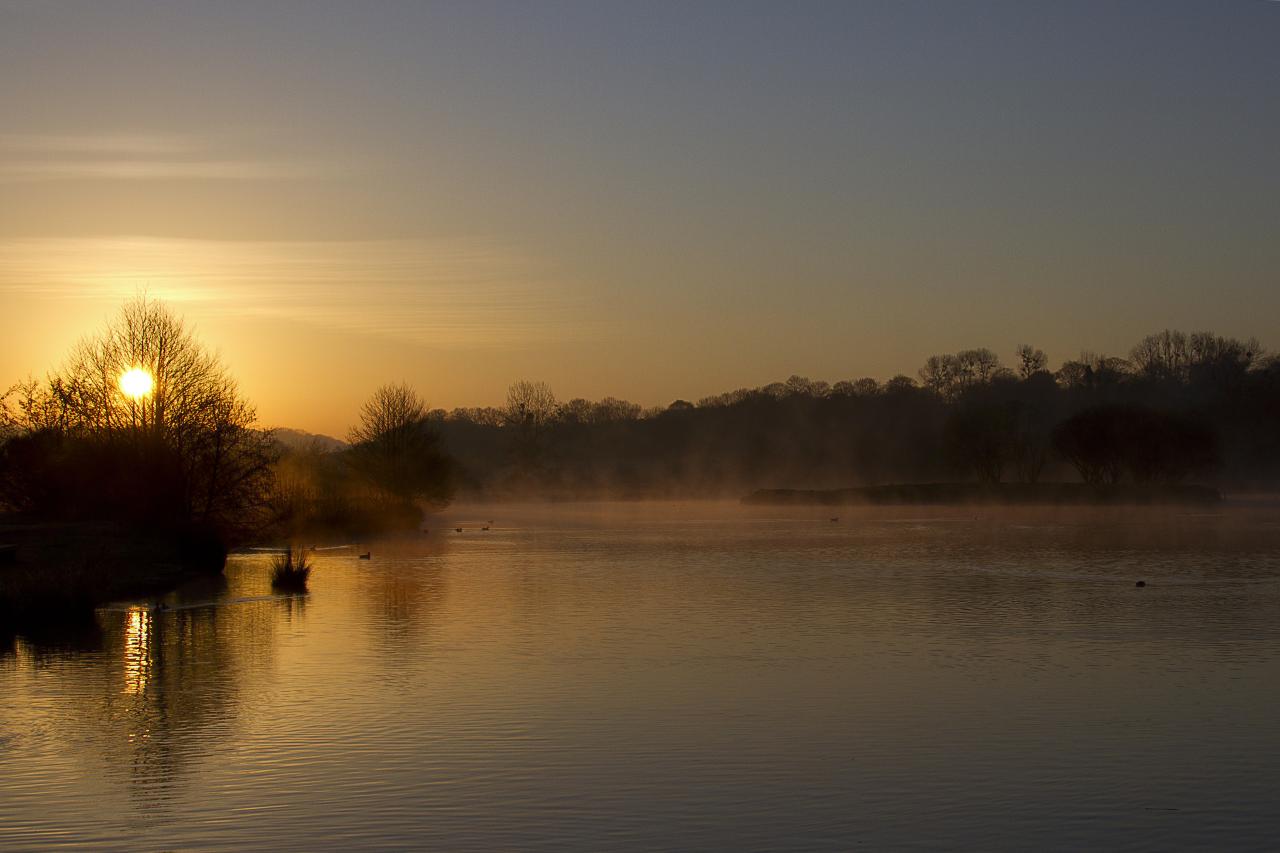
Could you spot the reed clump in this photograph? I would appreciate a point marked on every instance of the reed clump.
(290, 570)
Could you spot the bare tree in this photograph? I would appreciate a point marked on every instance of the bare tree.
(613, 410)
(186, 447)
(1220, 362)
(389, 411)
(396, 449)
(950, 375)
(806, 387)
(866, 387)
(189, 384)
(1163, 355)
(1092, 372)
(776, 390)
(1205, 348)
(899, 384)
(938, 374)
(1030, 361)
(577, 411)
(530, 404)
(978, 365)
(27, 407)
(531, 408)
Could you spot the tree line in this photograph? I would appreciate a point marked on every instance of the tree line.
(1179, 407)
(187, 456)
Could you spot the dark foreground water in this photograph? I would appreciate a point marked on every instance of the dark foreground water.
(680, 677)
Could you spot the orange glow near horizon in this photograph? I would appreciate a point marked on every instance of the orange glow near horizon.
(437, 195)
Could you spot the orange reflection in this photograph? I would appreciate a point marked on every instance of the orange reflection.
(137, 650)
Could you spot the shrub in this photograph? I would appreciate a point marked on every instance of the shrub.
(290, 570)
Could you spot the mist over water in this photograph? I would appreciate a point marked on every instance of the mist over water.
(694, 676)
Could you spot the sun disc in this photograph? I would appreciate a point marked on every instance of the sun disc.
(136, 383)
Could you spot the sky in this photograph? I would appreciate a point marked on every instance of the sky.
(644, 200)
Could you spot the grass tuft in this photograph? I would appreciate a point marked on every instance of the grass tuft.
(290, 570)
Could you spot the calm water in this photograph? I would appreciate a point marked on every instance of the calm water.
(680, 677)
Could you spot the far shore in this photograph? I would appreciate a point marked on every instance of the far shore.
(1055, 494)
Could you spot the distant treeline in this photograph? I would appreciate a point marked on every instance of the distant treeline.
(1181, 407)
(185, 456)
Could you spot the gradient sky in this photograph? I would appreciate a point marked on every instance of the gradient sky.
(644, 200)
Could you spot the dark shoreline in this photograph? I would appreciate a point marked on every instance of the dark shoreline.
(62, 572)
(1011, 494)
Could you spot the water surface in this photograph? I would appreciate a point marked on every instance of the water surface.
(680, 677)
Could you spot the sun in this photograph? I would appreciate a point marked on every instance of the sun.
(136, 383)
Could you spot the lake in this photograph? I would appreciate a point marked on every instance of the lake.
(680, 676)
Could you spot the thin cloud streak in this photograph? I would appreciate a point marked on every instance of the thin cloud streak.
(97, 143)
(129, 157)
(114, 170)
(451, 296)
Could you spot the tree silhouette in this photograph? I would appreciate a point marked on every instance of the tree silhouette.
(1030, 361)
(1105, 442)
(530, 411)
(187, 451)
(397, 450)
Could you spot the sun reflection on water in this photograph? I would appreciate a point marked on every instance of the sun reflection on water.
(137, 650)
